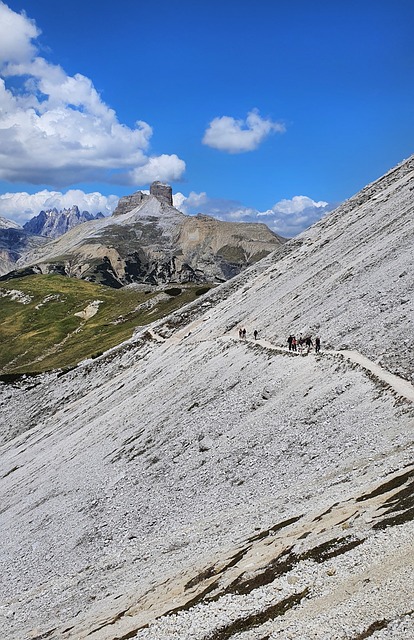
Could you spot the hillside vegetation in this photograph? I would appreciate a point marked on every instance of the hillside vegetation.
(49, 321)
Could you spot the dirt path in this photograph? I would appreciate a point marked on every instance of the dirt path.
(402, 387)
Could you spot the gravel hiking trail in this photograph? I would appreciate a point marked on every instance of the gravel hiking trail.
(403, 388)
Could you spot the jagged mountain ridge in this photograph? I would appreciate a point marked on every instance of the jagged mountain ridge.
(147, 240)
(221, 485)
(17, 241)
(53, 223)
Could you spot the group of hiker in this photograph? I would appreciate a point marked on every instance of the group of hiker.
(295, 344)
(303, 342)
(242, 333)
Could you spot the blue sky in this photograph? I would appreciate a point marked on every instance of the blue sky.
(266, 111)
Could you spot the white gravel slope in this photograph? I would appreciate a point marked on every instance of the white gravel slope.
(348, 278)
(130, 476)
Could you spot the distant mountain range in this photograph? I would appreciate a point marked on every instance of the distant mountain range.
(53, 223)
(17, 241)
(146, 240)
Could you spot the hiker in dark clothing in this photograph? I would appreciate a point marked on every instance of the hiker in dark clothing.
(240, 333)
(289, 341)
(255, 332)
(243, 332)
(309, 343)
(317, 344)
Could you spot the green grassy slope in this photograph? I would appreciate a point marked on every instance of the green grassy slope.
(39, 331)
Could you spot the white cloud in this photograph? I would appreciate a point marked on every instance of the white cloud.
(164, 168)
(22, 206)
(16, 34)
(286, 217)
(236, 136)
(290, 217)
(190, 203)
(55, 129)
(179, 201)
(295, 205)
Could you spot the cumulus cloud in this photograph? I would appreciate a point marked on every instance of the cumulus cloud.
(290, 217)
(17, 33)
(286, 218)
(164, 168)
(236, 136)
(55, 128)
(297, 204)
(193, 203)
(22, 206)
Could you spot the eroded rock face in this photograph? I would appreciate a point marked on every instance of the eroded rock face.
(8, 224)
(161, 191)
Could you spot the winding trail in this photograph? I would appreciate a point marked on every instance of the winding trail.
(401, 387)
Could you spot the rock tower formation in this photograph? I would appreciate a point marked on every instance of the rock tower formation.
(162, 192)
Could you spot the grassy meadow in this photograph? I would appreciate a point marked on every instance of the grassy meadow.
(39, 330)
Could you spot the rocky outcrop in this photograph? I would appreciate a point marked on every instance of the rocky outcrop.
(8, 224)
(161, 191)
(149, 241)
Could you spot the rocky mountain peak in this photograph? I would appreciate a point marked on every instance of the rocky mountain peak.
(159, 190)
(147, 240)
(53, 223)
(8, 224)
(162, 191)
